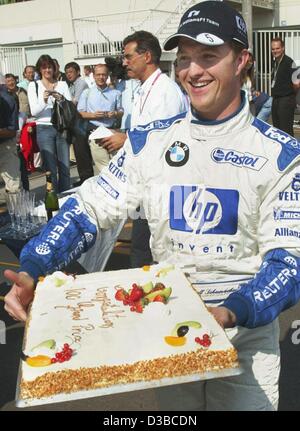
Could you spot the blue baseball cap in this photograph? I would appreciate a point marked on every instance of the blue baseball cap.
(210, 23)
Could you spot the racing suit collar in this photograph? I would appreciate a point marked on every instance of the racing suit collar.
(231, 124)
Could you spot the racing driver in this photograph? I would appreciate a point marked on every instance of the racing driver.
(220, 192)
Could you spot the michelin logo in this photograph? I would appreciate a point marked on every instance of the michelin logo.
(235, 158)
(108, 188)
(282, 214)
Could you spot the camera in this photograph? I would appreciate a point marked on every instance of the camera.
(116, 68)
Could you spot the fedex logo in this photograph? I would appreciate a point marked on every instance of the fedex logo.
(281, 137)
(204, 210)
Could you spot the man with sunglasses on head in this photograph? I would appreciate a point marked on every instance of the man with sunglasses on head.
(157, 98)
(219, 188)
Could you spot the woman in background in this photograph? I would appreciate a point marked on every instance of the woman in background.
(53, 145)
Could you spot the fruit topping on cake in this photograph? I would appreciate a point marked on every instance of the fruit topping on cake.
(38, 361)
(175, 341)
(48, 344)
(139, 296)
(205, 341)
(183, 328)
(178, 334)
(45, 353)
(164, 271)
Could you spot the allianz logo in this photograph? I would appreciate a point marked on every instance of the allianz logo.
(235, 158)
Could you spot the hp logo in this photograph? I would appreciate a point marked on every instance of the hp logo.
(204, 210)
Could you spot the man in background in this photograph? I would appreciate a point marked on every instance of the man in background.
(100, 105)
(9, 161)
(283, 93)
(89, 75)
(28, 74)
(80, 142)
(157, 98)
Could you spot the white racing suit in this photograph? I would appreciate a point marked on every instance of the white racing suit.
(222, 201)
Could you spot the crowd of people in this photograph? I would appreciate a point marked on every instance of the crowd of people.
(214, 186)
(110, 94)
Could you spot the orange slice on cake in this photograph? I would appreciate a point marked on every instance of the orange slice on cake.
(175, 341)
(38, 361)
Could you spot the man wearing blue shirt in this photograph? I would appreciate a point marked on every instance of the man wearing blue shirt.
(100, 105)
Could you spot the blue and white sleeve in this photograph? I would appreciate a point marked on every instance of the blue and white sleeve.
(99, 204)
(69, 234)
(275, 288)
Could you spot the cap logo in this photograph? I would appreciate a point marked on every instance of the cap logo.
(241, 24)
(209, 39)
(193, 13)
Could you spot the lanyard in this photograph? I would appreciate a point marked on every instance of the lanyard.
(276, 67)
(149, 91)
(133, 90)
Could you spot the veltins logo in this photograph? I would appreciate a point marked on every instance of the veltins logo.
(235, 158)
(178, 154)
(204, 210)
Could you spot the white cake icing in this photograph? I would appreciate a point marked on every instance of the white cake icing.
(103, 332)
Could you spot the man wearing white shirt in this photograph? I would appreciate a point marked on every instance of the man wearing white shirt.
(89, 76)
(80, 146)
(158, 97)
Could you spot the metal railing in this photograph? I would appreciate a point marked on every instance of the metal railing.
(103, 35)
(12, 60)
(264, 4)
(171, 23)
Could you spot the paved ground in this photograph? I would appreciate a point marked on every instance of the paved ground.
(141, 400)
